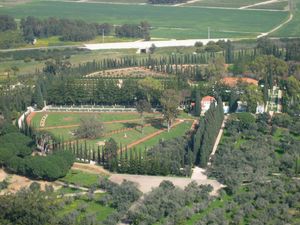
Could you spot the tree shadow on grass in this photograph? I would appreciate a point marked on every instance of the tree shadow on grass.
(131, 125)
(156, 123)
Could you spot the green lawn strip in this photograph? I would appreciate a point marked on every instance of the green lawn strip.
(67, 133)
(80, 178)
(184, 115)
(177, 131)
(131, 136)
(92, 207)
(68, 190)
(194, 22)
(63, 133)
(69, 118)
(35, 121)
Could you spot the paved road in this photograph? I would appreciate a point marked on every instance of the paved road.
(148, 44)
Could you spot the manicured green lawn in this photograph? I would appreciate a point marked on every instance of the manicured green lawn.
(167, 21)
(131, 136)
(177, 131)
(68, 190)
(64, 119)
(67, 133)
(123, 138)
(80, 178)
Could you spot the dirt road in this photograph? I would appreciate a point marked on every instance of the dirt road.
(147, 183)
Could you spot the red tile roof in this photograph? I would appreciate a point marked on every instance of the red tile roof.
(208, 99)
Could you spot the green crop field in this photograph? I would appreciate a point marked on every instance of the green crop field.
(177, 131)
(292, 29)
(167, 21)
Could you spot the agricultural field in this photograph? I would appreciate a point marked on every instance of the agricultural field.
(292, 29)
(122, 127)
(223, 22)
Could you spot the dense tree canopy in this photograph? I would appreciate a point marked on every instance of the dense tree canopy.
(28, 207)
(7, 23)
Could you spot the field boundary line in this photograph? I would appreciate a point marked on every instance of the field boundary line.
(260, 3)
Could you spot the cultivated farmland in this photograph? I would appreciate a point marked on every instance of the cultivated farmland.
(193, 22)
(292, 29)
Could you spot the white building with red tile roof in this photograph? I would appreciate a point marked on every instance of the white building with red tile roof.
(206, 102)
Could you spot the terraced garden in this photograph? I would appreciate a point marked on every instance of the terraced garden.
(125, 128)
